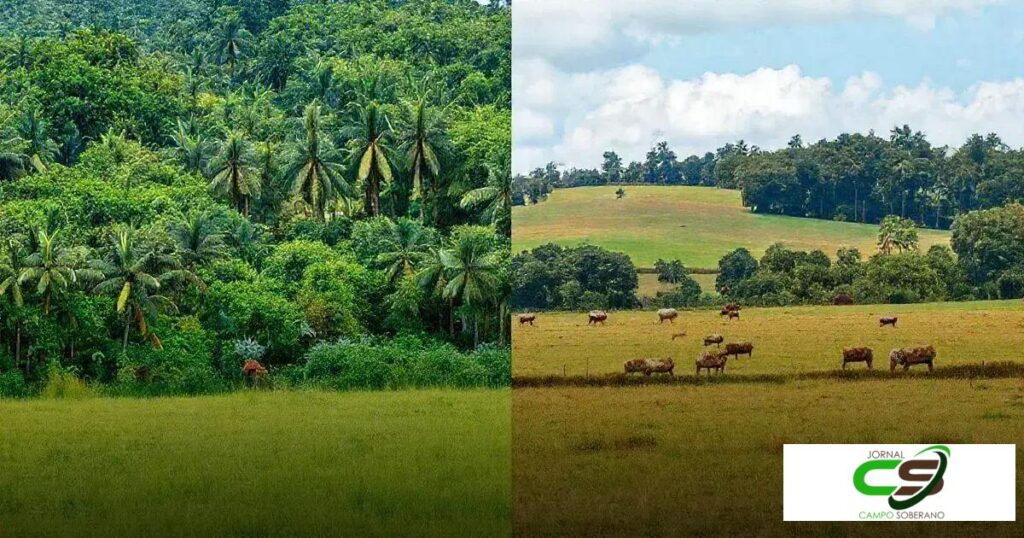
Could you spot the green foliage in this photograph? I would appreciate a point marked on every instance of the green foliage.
(899, 278)
(12, 384)
(990, 242)
(734, 267)
(259, 310)
(185, 365)
(575, 278)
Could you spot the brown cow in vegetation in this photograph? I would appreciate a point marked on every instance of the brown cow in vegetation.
(733, 314)
(887, 320)
(716, 339)
(731, 307)
(667, 313)
(597, 316)
(909, 356)
(649, 366)
(712, 360)
(254, 372)
(739, 348)
(842, 299)
(858, 354)
(527, 318)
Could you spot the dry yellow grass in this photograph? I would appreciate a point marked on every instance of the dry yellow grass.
(707, 461)
(697, 225)
(786, 340)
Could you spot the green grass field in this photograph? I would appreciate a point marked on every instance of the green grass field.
(679, 461)
(787, 340)
(258, 464)
(697, 225)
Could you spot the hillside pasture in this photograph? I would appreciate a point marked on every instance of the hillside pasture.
(258, 464)
(707, 460)
(697, 225)
(787, 340)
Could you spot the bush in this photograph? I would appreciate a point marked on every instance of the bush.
(63, 384)
(12, 384)
(497, 362)
(259, 310)
(185, 365)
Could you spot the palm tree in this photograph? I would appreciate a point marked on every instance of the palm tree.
(233, 174)
(39, 149)
(432, 278)
(369, 148)
(51, 267)
(421, 139)
(231, 38)
(473, 269)
(11, 266)
(126, 274)
(494, 199)
(314, 166)
(410, 245)
(191, 148)
(196, 238)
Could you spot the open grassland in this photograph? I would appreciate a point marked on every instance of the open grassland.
(707, 461)
(649, 286)
(697, 225)
(787, 340)
(258, 464)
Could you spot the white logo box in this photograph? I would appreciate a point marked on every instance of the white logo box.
(979, 484)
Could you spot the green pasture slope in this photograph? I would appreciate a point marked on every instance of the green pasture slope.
(695, 224)
(433, 463)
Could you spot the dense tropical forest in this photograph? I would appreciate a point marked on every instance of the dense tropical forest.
(323, 187)
(854, 177)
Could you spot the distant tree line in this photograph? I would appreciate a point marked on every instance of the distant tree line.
(854, 177)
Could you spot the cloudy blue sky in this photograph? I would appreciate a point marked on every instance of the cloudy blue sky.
(592, 75)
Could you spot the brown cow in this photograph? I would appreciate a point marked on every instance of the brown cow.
(740, 348)
(649, 366)
(732, 307)
(667, 313)
(842, 299)
(858, 354)
(910, 356)
(254, 371)
(887, 320)
(597, 316)
(733, 314)
(712, 360)
(527, 318)
(716, 339)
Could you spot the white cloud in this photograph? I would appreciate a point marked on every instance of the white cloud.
(572, 118)
(583, 34)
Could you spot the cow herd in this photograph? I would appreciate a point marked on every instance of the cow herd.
(715, 360)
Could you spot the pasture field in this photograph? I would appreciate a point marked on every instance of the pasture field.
(707, 460)
(258, 464)
(787, 340)
(697, 225)
(649, 286)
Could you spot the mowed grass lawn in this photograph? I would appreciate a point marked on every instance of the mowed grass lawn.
(430, 463)
(787, 340)
(697, 225)
(707, 460)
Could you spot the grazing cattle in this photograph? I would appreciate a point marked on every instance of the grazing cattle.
(649, 366)
(739, 348)
(716, 339)
(597, 316)
(858, 354)
(733, 314)
(732, 307)
(909, 356)
(678, 335)
(667, 313)
(253, 371)
(712, 360)
(527, 318)
(887, 320)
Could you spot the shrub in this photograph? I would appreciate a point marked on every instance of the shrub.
(185, 365)
(63, 384)
(258, 310)
(12, 384)
(497, 362)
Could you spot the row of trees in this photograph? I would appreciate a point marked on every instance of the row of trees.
(853, 177)
(246, 180)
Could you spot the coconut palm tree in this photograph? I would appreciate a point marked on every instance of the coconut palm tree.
(196, 238)
(39, 149)
(230, 40)
(51, 267)
(127, 274)
(369, 145)
(432, 278)
(473, 268)
(314, 166)
(191, 148)
(409, 246)
(495, 199)
(12, 264)
(422, 136)
(233, 174)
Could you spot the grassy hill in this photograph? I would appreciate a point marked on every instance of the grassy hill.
(695, 224)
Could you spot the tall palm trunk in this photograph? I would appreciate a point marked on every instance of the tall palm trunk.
(124, 338)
